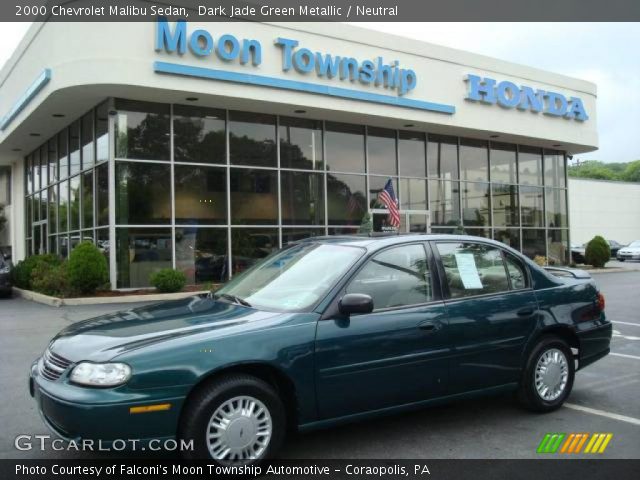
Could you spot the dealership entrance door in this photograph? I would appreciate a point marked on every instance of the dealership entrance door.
(411, 221)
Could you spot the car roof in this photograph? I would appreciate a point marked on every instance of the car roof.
(376, 241)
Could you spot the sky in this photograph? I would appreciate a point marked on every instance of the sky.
(603, 53)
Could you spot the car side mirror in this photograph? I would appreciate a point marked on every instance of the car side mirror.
(355, 303)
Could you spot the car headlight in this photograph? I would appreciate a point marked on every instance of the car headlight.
(100, 374)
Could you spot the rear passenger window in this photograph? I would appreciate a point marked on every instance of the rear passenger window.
(395, 277)
(516, 272)
(473, 269)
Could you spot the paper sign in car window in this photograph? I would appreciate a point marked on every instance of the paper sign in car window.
(468, 271)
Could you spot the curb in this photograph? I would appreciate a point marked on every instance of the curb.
(61, 302)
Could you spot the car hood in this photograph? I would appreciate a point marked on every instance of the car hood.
(102, 338)
(631, 250)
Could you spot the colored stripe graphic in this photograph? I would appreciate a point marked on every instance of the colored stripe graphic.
(574, 442)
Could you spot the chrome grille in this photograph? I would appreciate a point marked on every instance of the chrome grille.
(53, 365)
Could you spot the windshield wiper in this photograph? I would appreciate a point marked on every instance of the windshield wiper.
(234, 299)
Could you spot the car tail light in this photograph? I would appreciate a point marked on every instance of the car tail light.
(600, 302)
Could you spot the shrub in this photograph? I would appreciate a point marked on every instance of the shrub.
(22, 272)
(87, 268)
(51, 280)
(168, 280)
(598, 252)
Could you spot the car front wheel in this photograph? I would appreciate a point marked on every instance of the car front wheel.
(548, 376)
(235, 420)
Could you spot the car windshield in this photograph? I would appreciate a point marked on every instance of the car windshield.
(292, 279)
(635, 244)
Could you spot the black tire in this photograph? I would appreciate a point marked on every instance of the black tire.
(621, 259)
(528, 395)
(201, 406)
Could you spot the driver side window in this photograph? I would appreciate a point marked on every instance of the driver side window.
(395, 277)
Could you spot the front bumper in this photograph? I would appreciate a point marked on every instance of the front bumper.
(628, 256)
(78, 413)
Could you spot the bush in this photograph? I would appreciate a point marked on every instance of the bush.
(87, 268)
(51, 280)
(598, 252)
(23, 270)
(168, 280)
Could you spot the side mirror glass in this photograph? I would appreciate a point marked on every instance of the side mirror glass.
(355, 303)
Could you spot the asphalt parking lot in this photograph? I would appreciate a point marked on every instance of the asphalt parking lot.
(604, 399)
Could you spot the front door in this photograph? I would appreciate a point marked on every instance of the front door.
(411, 221)
(392, 356)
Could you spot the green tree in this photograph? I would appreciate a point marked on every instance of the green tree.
(632, 172)
(597, 252)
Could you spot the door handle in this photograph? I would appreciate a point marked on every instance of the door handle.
(428, 327)
(526, 312)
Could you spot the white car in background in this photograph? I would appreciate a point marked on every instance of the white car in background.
(630, 252)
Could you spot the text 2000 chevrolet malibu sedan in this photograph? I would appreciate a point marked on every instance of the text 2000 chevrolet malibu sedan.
(324, 331)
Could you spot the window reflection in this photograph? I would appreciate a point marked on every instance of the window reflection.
(554, 165)
(346, 199)
(505, 205)
(531, 201)
(251, 244)
(252, 139)
(142, 130)
(87, 200)
(302, 198)
(63, 208)
(63, 149)
(412, 154)
(474, 160)
(53, 209)
(533, 243)
(87, 140)
(254, 196)
(143, 193)
(102, 133)
(300, 143)
(445, 203)
(295, 234)
(413, 194)
(199, 135)
(503, 163)
(74, 148)
(201, 195)
(442, 157)
(140, 252)
(508, 236)
(556, 204)
(558, 247)
(102, 194)
(344, 147)
(530, 165)
(376, 184)
(475, 203)
(74, 203)
(381, 151)
(202, 254)
(52, 155)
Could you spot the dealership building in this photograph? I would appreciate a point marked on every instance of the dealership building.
(204, 146)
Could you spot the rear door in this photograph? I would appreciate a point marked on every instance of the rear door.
(492, 311)
(392, 356)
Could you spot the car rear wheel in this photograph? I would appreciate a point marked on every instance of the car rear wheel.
(548, 376)
(235, 420)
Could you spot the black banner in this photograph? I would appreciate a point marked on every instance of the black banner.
(584, 469)
(319, 10)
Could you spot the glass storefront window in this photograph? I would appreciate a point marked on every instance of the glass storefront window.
(554, 165)
(140, 252)
(102, 194)
(202, 254)
(52, 155)
(63, 207)
(475, 204)
(344, 145)
(300, 143)
(43, 204)
(74, 148)
(381, 151)
(478, 232)
(102, 133)
(444, 203)
(474, 160)
(254, 197)
(505, 205)
(251, 244)
(376, 184)
(143, 193)
(413, 194)
(87, 200)
(201, 195)
(346, 199)
(44, 166)
(36, 170)
(533, 243)
(531, 201)
(508, 236)
(252, 139)
(199, 135)
(530, 165)
(102, 242)
(412, 154)
(556, 205)
(558, 247)
(74, 203)
(290, 235)
(53, 209)
(63, 154)
(87, 140)
(29, 173)
(503, 163)
(302, 198)
(142, 130)
(63, 245)
(442, 157)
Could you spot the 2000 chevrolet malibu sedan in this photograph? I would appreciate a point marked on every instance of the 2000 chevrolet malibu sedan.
(324, 331)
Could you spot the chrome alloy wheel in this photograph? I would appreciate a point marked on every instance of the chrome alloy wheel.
(239, 430)
(551, 374)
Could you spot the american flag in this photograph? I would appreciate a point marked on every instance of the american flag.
(388, 197)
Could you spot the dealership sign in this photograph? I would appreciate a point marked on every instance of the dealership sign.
(509, 95)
